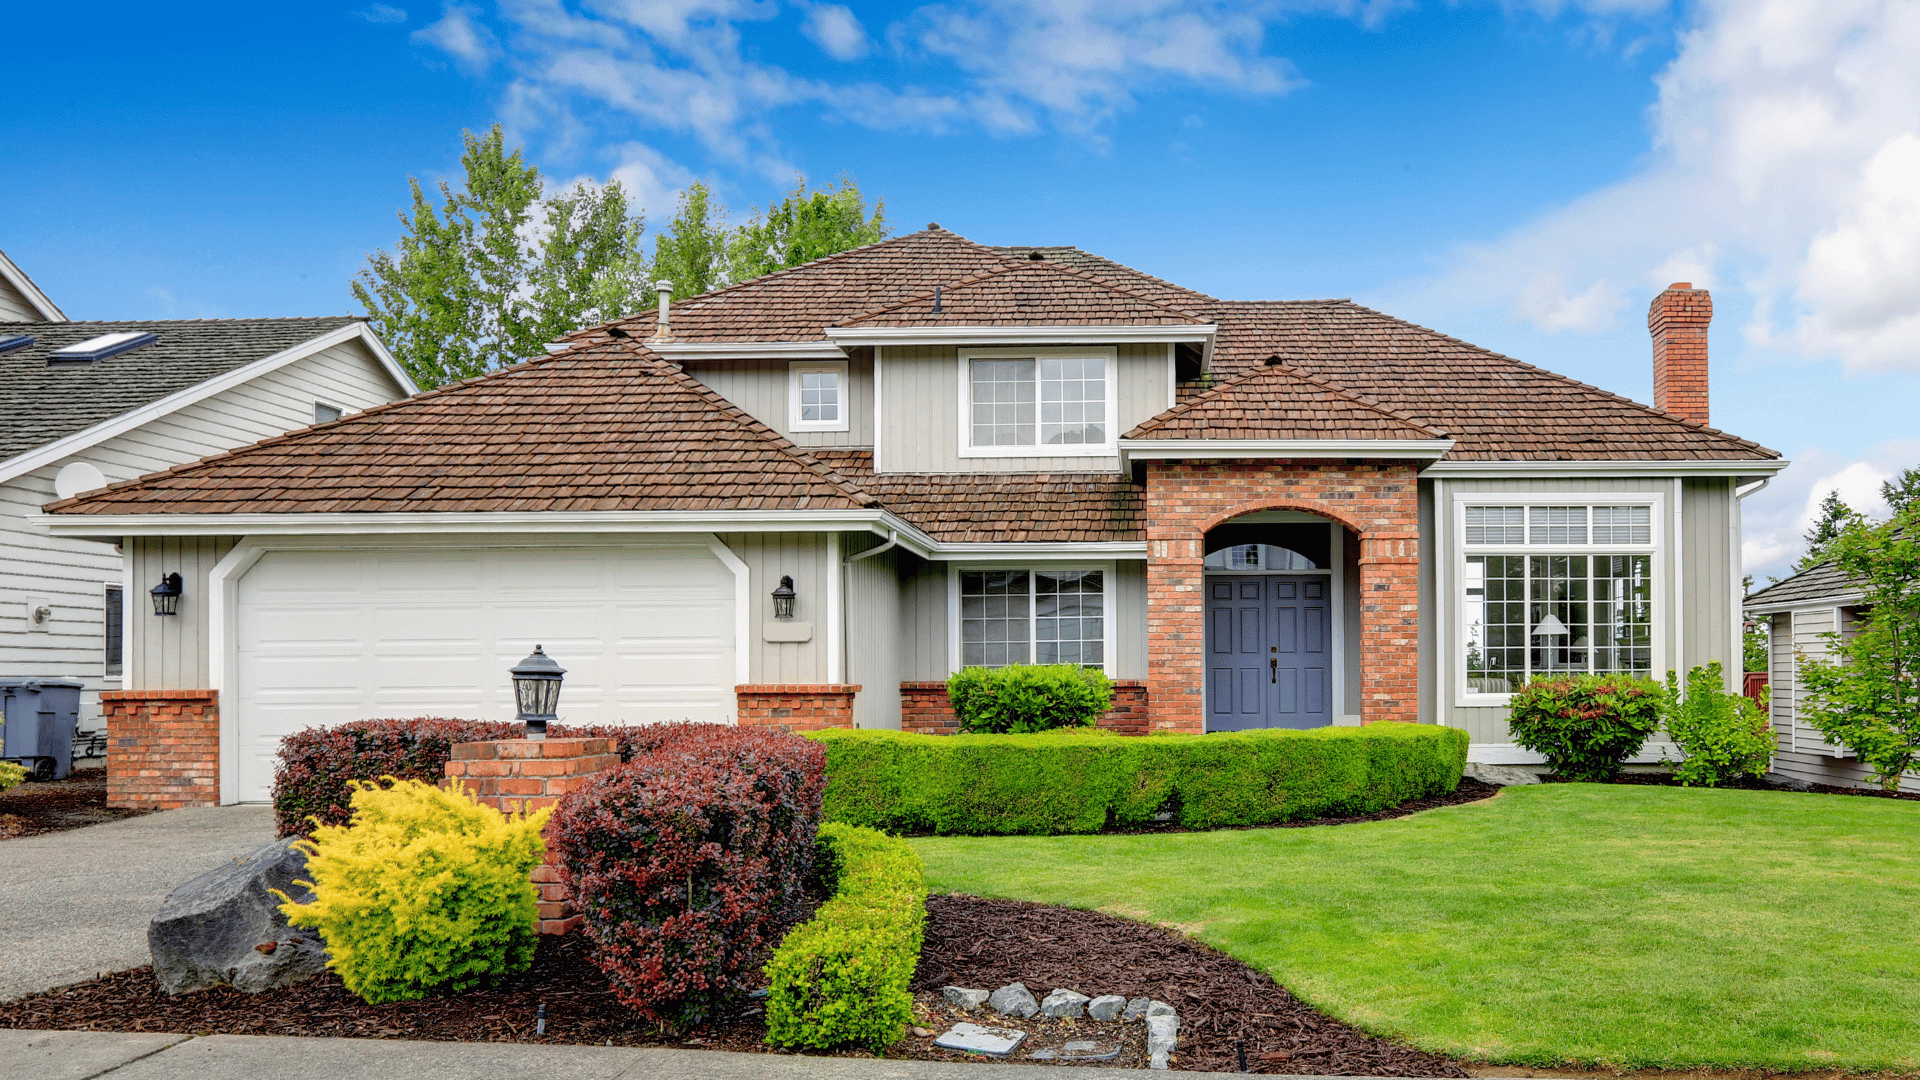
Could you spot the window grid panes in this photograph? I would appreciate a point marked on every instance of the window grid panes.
(1003, 402)
(1021, 616)
(1623, 524)
(1559, 526)
(1073, 401)
(1533, 615)
(1496, 524)
(1258, 557)
(819, 397)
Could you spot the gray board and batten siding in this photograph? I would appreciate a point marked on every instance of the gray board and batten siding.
(1696, 567)
(1802, 753)
(14, 307)
(918, 398)
(760, 389)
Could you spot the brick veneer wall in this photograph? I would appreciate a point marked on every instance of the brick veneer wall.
(797, 706)
(163, 748)
(513, 775)
(1678, 320)
(1378, 500)
(924, 708)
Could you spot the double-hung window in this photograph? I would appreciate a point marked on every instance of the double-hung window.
(116, 620)
(1020, 403)
(1555, 588)
(1032, 616)
(817, 396)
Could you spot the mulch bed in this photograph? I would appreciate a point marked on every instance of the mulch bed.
(48, 806)
(970, 941)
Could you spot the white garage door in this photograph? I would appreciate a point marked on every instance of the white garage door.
(645, 632)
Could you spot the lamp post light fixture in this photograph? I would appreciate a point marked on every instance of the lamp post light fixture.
(783, 598)
(166, 595)
(536, 690)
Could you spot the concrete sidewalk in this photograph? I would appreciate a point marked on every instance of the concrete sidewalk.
(81, 1055)
(75, 904)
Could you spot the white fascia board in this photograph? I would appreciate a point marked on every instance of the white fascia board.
(1162, 449)
(92, 526)
(1018, 335)
(1775, 607)
(959, 552)
(154, 410)
(1670, 467)
(679, 351)
(24, 285)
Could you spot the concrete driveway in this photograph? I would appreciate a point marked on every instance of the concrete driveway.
(75, 904)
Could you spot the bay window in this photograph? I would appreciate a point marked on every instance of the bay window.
(1547, 589)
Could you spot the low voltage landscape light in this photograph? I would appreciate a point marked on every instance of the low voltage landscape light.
(783, 599)
(536, 690)
(166, 595)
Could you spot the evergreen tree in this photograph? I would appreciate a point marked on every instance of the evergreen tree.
(1901, 491)
(1835, 516)
(494, 272)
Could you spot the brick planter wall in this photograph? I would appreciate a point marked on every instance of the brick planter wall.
(512, 775)
(163, 748)
(1378, 500)
(924, 708)
(797, 706)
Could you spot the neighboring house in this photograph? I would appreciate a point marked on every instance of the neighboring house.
(90, 403)
(1251, 514)
(1800, 612)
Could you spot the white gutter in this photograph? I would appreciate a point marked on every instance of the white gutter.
(893, 541)
(1666, 467)
(679, 351)
(1176, 449)
(1018, 335)
(1773, 607)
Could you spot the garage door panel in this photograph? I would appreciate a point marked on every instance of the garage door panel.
(645, 633)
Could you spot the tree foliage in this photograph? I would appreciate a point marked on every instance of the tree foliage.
(495, 271)
(1903, 490)
(804, 226)
(1866, 694)
(1722, 736)
(1835, 516)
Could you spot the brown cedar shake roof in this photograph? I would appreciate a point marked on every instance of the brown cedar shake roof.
(591, 429)
(1031, 293)
(1001, 508)
(1274, 401)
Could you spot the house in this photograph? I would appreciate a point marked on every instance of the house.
(1800, 612)
(89, 403)
(1250, 514)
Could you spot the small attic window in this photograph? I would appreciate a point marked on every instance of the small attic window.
(10, 342)
(99, 348)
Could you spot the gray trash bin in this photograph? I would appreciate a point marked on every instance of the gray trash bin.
(41, 715)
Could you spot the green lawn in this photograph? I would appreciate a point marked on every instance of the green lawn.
(1615, 925)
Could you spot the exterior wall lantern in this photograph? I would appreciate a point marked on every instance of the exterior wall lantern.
(783, 598)
(166, 595)
(536, 690)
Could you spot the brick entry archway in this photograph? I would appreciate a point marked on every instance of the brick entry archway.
(1378, 500)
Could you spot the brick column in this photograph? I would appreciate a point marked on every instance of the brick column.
(1377, 499)
(516, 775)
(163, 748)
(797, 706)
(925, 709)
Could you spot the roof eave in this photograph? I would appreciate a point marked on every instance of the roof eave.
(1132, 450)
(682, 351)
(1613, 467)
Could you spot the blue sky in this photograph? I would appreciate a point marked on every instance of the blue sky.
(1522, 175)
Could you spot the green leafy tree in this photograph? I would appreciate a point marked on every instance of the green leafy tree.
(1903, 490)
(1866, 694)
(691, 251)
(1755, 640)
(494, 272)
(1835, 516)
(1722, 737)
(804, 226)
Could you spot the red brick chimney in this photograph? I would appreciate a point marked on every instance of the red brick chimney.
(1678, 320)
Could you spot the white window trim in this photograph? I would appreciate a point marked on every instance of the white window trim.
(798, 368)
(1107, 619)
(1665, 592)
(1109, 448)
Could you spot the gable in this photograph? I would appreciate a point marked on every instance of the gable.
(21, 300)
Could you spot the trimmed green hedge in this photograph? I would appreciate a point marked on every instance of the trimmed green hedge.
(1082, 781)
(843, 977)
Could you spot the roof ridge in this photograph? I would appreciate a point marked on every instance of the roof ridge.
(1116, 262)
(239, 319)
(1161, 419)
(1016, 265)
(1607, 394)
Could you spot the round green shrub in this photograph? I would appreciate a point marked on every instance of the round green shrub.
(1721, 736)
(1029, 697)
(1587, 726)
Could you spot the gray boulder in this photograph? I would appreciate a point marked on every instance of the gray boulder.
(964, 999)
(1014, 999)
(1065, 1004)
(1106, 1007)
(1136, 1010)
(224, 928)
(1159, 1008)
(1163, 1036)
(1501, 775)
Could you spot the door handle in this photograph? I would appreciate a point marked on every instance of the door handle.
(1273, 670)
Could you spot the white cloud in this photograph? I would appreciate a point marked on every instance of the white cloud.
(1785, 162)
(382, 14)
(459, 36)
(651, 180)
(837, 31)
(1775, 520)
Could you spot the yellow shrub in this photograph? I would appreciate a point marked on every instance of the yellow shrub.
(424, 890)
(11, 775)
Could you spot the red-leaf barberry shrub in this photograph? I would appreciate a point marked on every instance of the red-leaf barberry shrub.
(318, 766)
(683, 861)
